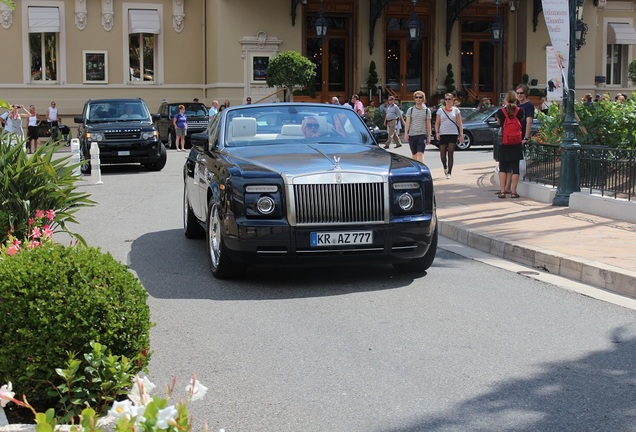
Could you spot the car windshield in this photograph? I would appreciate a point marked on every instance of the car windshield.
(113, 111)
(293, 124)
(191, 109)
(479, 116)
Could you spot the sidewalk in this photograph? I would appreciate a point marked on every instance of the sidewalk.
(584, 247)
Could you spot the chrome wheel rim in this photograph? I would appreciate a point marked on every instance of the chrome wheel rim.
(214, 237)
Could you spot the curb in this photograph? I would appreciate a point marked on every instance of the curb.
(594, 273)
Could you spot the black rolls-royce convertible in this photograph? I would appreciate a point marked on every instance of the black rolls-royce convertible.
(298, 184)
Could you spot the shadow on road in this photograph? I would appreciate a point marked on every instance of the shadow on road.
(171, 266)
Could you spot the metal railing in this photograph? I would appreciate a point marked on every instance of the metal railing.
(604, 170)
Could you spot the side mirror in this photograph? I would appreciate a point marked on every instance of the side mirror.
(199, 139)
(78, 119)
(156, 117)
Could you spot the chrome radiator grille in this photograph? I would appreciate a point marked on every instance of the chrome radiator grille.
(339, 203)
(122, 135)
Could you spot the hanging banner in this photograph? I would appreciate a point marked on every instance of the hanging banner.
(557, 20)
(554, 75)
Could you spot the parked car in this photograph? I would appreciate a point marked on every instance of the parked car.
(197, 118)
(124, 131)
(481, 127)
(262, 193)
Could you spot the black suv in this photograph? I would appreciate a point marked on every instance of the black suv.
(196, 115)
(124, 131)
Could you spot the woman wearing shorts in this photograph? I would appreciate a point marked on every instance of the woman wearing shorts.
(417, 129)
(34, 122)
(449, 129)
(180, 124)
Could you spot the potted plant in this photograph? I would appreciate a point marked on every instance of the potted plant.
(372, 81)
(291, 69)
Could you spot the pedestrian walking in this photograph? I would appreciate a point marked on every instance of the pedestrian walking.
(449, 130)
(357, 105)
(13, 122)
(417, 128)
(393, 115)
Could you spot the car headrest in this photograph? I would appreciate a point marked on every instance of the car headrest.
(292, 130)
(243, 127)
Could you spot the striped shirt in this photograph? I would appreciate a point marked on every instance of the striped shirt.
(418, 120)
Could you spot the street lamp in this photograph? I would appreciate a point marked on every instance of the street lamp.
(321, 23)
(581, 31)
(415, 25)
(569, 176)
(496, 28)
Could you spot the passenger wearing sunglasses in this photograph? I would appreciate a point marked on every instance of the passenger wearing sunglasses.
(311, 128)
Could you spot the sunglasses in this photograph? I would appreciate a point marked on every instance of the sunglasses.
(419, 97)
(448, 99)
(312, 125)
(521, 93)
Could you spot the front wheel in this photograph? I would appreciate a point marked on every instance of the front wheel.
(468, 141)
(85, 167)
(221, 264)
(161, 162)
(422, 264)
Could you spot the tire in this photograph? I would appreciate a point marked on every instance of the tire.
(171, 140)
(468, 141)
(161, 162)
(85, 167)
(191, 226)
(221, 265)
(420, 265)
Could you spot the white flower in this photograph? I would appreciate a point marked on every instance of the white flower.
(165, 416)
(124, 409)
(6, 394)
(196, 389)
(140, 390)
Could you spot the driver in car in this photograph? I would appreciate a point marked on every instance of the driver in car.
(311, 128)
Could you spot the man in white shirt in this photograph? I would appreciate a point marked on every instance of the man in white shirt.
(214, 109)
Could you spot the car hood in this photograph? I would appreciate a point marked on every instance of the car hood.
(291, 161)
(120, 126)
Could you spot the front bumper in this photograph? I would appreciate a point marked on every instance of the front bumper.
(148, 151)
(286, 245)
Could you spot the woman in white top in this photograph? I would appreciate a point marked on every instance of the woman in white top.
(14, 120)
(449, 129)
(34, 123)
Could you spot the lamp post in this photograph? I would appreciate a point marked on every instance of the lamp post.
(569, 176)
(497, 30)
(415, 25)
(321, 23)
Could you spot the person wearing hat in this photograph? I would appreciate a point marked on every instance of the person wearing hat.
(485, 103)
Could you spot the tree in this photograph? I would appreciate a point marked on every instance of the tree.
(290, 69)
(631, 70)
(449, 82)
(372, 81)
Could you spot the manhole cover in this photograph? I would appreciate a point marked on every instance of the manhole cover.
(528, 273)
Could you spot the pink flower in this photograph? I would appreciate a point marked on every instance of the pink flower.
(39, 214)
(15, 242)
(12, 250)
(31, 221)
(6, 395)
(36, 233)
(50, 214)
(33, 244)
(47, 231)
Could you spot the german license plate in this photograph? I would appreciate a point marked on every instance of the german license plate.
(341, 238)
(123, 153)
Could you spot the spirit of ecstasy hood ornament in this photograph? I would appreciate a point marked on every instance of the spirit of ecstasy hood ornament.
(336, 163)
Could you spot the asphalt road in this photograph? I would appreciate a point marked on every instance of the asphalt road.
(466, 347)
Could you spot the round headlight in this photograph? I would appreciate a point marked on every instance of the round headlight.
(98, 137)
(265, 205)
(405, 201)
(146, 135)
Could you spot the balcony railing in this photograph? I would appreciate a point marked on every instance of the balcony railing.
(603, 170)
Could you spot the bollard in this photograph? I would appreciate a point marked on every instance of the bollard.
(75, 156)
(96, 171)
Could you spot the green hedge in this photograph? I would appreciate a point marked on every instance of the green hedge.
(55, 300)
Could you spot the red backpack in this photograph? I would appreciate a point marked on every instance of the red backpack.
(511, 133)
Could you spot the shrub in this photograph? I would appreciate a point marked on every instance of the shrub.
(38, 181)
(290, 69)
(55, 300)
(605, 123)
